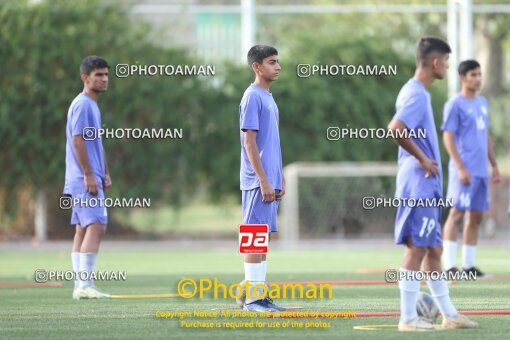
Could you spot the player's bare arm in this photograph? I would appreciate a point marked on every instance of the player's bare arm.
(451, 148)
(496, 176)
(107, 180)
(428, 165)
(250, 145)
(88, 175)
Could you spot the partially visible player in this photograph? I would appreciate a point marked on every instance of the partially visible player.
(465, 136)
(419, 176)
(87, 175)
(262, 182)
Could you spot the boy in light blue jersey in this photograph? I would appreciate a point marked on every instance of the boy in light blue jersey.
(261, 175)
(419, 176)
(465, 126)
(87, 176)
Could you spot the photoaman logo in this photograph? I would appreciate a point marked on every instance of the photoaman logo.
(253, 238)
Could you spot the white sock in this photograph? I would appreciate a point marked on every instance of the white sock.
(87, 264)
(75, 258)
(264, 269)
(409, 290)
(468, 256)
(441, 296)
(254, 272)
(450, 254)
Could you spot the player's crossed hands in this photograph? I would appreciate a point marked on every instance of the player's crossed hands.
(268, 193)
(91, 183)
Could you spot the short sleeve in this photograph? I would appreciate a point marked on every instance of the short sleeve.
(450, 117)
(249, 112)
(412, 111)
(81, 118)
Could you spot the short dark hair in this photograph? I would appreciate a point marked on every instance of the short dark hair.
(467, 65)
(259, 52)
(92, 62)
(429, 45)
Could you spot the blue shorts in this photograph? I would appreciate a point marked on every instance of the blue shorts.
(472, 196)
(256, 211)
(90, 209)
(421, 224)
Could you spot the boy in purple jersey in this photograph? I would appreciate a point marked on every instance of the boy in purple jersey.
(261, 175)
(465, 124)
(87, 175)
(419, 176)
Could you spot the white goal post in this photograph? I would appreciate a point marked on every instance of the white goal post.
(296, 171)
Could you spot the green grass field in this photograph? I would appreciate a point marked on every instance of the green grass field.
(49, 312)
(190, 220)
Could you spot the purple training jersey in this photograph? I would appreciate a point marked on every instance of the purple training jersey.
(258, 111)
(419, 224)
(468, 119)
(83, 113)
(414, 109)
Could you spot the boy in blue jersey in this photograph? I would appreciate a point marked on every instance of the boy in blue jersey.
(465, 136)
(419, 176)
(261, 175)
(87, 176)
